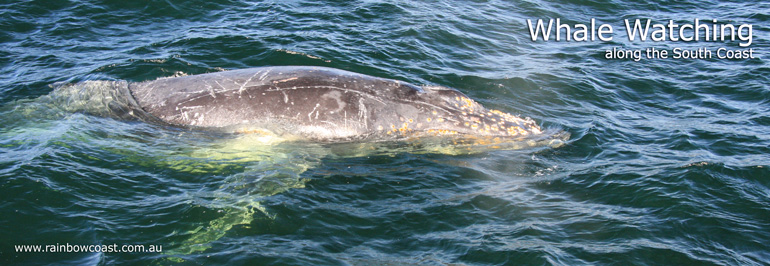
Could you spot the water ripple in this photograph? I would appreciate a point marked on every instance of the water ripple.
(667, 163)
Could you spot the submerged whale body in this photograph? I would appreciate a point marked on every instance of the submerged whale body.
(315, 103)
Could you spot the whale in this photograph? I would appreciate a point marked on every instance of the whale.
(324, 113)
(313, 103)
(320, 103)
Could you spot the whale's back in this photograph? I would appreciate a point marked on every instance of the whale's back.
(309, 101)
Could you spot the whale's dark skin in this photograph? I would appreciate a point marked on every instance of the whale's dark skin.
(320, 103)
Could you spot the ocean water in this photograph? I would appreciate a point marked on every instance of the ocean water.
(667, 162)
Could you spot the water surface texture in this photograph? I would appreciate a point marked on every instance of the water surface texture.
(667, 162)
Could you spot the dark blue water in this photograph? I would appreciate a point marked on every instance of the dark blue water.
(667, 161)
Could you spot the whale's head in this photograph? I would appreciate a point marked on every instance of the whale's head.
(446, 111)
(434, 119)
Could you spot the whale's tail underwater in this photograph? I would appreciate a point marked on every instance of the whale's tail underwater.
(274, 123)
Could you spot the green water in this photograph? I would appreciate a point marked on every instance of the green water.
(667, 162)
